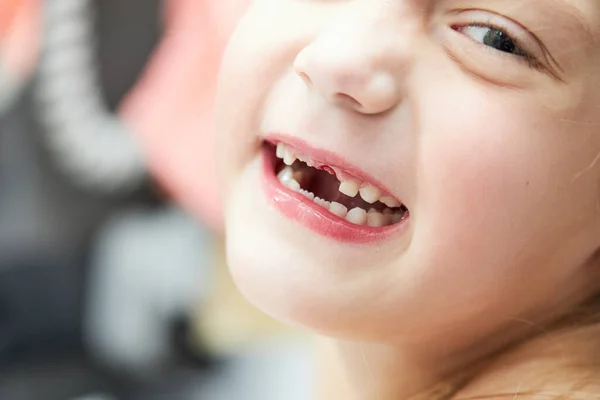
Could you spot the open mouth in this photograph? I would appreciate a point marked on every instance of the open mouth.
(335, 190)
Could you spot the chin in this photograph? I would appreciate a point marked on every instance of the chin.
(290, 272)
(311, 236)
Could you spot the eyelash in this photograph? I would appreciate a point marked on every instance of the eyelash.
(531, 60)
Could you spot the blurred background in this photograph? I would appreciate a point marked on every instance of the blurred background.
(112, 279)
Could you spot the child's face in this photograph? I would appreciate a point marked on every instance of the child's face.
(479, 116)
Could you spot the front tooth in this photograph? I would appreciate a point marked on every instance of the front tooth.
(357, 216)
(370, 193)
(338, 209)
(285, 174)
(349, 188)
(289, 157)
(293, 184)
(377, 219)
(280, 153)
(390, 201)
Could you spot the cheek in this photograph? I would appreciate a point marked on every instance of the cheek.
(488, 191)
(477, 166)
(236, 106)
(259, 53)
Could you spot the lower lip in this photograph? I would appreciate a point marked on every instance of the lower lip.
(297, 207)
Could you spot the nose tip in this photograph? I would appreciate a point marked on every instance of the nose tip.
(348, 80)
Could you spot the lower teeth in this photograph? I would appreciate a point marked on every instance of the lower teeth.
(307, 194)
(357, 215)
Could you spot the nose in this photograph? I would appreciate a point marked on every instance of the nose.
(357, 67)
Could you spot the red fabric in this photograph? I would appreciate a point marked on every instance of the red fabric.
(171, 108)
(8, 9)
(19, 26)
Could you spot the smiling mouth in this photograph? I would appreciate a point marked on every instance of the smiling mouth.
(335, 190)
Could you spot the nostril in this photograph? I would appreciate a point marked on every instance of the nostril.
(348, 101)
(305, 78)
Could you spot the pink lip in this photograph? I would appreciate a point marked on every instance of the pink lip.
(297, 207)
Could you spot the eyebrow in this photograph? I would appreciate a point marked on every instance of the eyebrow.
(573, 13)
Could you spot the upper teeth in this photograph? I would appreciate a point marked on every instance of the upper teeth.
(370, 193)
(286, 154)
(289, 158)
(306, 160)
(350, 187)
(280, 150)
(390, 201)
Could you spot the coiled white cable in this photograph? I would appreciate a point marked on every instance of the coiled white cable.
(90, 144)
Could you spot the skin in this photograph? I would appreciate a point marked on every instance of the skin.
(495, 157)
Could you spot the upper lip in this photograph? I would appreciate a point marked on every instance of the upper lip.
(326, 157)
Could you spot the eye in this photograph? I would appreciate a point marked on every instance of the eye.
(493, 38)
(495, 46)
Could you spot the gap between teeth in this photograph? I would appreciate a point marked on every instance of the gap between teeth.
(349, 187)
